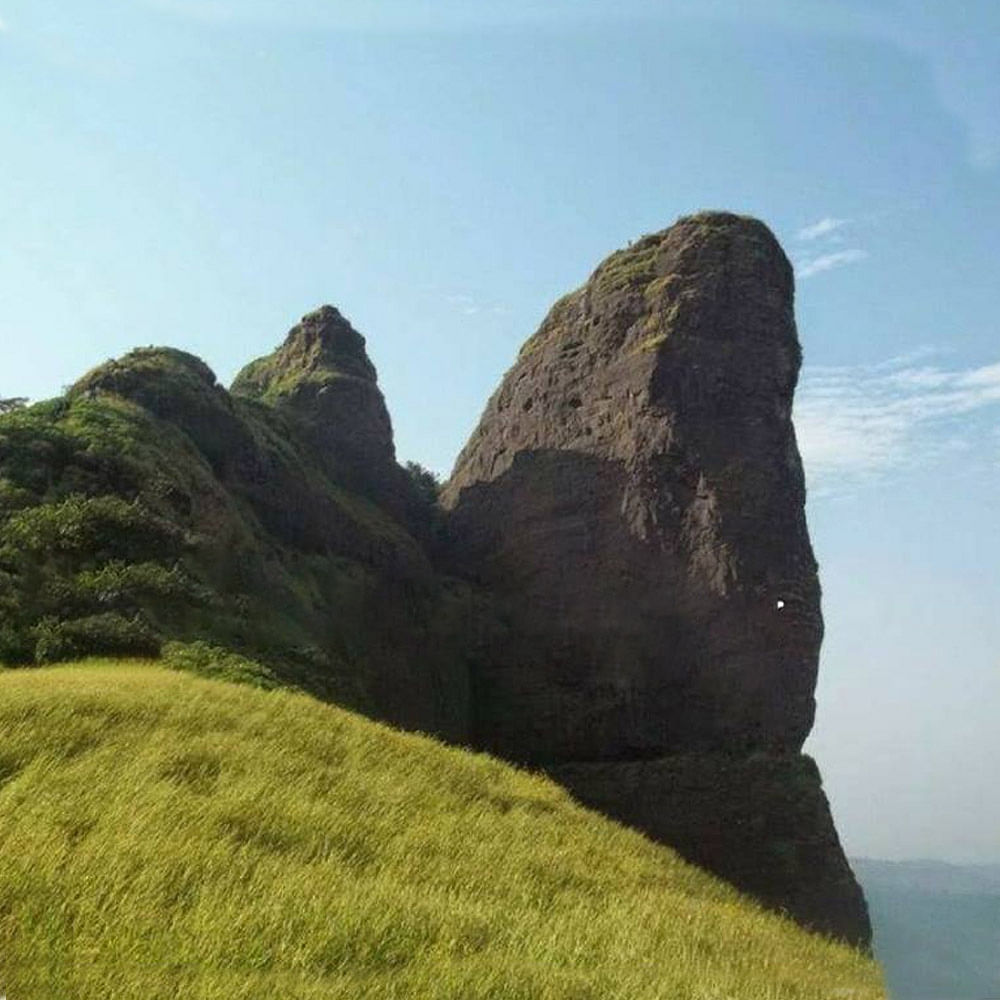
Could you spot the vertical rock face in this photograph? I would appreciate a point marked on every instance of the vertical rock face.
(633, 497)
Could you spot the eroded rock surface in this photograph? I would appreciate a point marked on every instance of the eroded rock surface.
(633, 497)
(634, 494)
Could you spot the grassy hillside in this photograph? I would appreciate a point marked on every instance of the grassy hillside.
(166, 835)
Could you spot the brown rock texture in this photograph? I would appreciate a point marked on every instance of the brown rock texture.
(633, 498)
(634, 495)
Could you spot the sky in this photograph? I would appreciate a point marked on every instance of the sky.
(200, 173)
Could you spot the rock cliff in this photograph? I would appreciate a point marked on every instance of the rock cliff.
(634, 494)
(633, 497)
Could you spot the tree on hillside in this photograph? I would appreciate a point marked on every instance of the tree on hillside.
(14, 403)
(427, 483)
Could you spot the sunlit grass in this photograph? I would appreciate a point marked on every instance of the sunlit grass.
(168, 836)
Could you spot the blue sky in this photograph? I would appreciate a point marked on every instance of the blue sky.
(201, 172)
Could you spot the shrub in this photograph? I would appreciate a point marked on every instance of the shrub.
(97, 528)
(105, 634)
(206, 660)
(426, 484)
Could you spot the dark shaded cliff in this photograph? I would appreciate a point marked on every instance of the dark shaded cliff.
(634, 494)
(634, 499)
(619, 588)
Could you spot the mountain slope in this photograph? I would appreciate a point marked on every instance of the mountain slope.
(150, 505)
(167, 835)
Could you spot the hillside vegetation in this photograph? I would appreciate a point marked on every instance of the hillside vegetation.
(165, 835)
(148, 506)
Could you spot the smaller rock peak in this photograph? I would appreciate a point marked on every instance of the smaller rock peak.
(320, 348)
(145, 367)
(324, 314)
(325, 340)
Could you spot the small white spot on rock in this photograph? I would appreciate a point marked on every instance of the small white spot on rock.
(779, 604)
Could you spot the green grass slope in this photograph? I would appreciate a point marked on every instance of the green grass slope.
(164, 835)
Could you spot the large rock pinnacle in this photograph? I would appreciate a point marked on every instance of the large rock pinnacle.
(634, 493)
(633, 497)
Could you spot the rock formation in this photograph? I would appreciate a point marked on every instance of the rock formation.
(634, 494)
(151, 506)
(322, 376)
(620, 588)
(634, 499)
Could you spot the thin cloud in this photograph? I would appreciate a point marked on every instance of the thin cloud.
(959, 52)
(469, 306)
(466, 304)
(824, 227)
(393, 15)
(3, 25)
(829, 261)
(202, 10)
(859, 422)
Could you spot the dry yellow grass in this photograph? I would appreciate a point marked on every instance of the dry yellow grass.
(169, 836)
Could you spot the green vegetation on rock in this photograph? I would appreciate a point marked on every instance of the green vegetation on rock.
(631, 267)
(149, 506)
(167, 836)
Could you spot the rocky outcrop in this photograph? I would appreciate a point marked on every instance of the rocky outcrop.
(634, 495)
(150, 505)
(322, 378)
(620, 588)
(634, 499)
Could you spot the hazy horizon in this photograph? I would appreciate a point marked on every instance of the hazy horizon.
(200, 173)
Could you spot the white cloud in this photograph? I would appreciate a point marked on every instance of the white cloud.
(393, 15)
(466, 304)
(957, 43)
(828, 261)
(469, 306)
(3, 25)
(828, 224)
(861, 421)
(203, 10)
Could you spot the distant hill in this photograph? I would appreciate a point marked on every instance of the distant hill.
(937, 927)
(169, 836)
